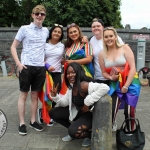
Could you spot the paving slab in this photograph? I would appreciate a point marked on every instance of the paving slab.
(50, 138)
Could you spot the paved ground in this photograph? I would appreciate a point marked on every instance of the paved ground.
(50, 138)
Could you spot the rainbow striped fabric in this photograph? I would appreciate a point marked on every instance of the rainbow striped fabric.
(45, 98)
(79, 51)
(132, 95)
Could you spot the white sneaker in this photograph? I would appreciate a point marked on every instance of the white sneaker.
(67, 138)
(52, 122)
(114, 126)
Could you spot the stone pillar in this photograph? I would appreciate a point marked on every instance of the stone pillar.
(102, 124)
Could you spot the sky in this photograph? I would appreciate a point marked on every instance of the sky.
(136, 13)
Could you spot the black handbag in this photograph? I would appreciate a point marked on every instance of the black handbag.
(130, 140)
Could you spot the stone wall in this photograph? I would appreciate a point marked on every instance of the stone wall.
(129, 36)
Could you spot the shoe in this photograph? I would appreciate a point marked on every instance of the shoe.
(39, 114)
(114, 126)
(67, 138)
(86, 142)
(22, 129)
(52, 122)
(36, 126)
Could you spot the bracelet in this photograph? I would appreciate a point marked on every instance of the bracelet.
(47, 65)
(125, 87)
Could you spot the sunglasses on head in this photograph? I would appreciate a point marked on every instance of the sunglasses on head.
(37, 14)
(70, 25)
(58, 25)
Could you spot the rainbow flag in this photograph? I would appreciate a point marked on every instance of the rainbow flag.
(132, 95)
(89, 69)
(45, 98)
(79, 54)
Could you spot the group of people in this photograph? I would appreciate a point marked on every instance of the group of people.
(88, 76)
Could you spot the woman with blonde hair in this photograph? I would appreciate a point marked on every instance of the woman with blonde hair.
(118, 65)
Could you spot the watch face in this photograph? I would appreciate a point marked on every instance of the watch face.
(3, 123)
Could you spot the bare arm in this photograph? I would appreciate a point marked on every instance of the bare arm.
(130, 59)
(82, 61)
(14, 54)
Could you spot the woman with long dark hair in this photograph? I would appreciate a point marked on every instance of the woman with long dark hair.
(75, 105)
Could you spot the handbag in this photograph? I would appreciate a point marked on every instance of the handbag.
(130, 140)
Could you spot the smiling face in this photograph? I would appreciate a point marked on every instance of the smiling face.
(74, 34)
(38, 17)
(56, 34)
(71, 74)
(109, 38)
(97, 28)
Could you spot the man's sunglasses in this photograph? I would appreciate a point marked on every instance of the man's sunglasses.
(70, 25)
(58, 25)
(37, 14)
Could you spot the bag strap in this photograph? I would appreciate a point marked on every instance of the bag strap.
(129, 119)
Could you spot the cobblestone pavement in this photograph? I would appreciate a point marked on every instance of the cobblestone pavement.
(50, 138)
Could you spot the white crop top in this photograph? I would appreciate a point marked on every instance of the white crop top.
(120, 62)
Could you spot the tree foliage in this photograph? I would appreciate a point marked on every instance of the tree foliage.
(63, 12)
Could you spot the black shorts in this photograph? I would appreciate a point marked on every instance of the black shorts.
(33, 77)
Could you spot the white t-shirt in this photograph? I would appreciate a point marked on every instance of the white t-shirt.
(54, 54)
(33, 41)
(97, 47)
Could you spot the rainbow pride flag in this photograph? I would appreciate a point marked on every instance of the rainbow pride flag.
(45, 98)
(79, 54)
(132, 95)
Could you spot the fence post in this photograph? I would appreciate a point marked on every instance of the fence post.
(3, 66)
(102, 124)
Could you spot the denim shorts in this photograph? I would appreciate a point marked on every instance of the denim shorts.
(33, 77)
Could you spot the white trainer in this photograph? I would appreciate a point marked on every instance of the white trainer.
(114, 126)
(67, 138)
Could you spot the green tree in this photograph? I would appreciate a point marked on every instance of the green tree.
(9, 10)
(82, 12)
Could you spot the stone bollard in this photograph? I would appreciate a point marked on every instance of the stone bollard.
(3, 66)
(102, 124)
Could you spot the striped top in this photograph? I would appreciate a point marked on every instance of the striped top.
(74, 47)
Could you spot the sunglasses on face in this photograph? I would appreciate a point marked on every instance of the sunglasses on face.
(37, 14)
(58, 25)
(70, 25)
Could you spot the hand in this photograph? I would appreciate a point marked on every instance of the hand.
(115, 77)
(51, 68)
(21, 66)
(54, 90)
(85, 39)
(85, 108)
(124, 90)
(63, 61)
(70, 61)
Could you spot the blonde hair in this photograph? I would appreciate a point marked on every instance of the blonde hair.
(118, 44)
(38, 8)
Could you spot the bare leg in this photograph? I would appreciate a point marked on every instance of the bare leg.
(34, 105)
(21, 106)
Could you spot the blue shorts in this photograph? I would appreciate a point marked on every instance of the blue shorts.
(33, 77)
